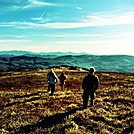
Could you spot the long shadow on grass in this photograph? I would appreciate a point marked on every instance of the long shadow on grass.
(46, 122)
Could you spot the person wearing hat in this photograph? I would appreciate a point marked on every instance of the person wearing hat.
(89, 85)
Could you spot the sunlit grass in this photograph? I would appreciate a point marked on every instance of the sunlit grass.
(27, 107)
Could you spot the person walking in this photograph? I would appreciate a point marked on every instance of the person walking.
(89, 85)
(62, 79)
(52, 80)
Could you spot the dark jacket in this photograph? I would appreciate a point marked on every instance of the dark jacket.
(90, 83)
(62, 78)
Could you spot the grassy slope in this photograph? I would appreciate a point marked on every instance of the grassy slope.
(26, 107)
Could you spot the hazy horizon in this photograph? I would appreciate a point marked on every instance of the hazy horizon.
(61, 52)
(95, 27)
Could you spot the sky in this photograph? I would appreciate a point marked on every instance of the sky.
(93, 26)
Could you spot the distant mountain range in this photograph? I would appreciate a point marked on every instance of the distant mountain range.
(17, 60)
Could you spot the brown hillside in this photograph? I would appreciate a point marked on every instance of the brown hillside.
(26, 107)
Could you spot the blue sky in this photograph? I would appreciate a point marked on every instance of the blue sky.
(92, 26)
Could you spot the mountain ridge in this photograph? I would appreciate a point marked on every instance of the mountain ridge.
(103, 63)
(20, 52)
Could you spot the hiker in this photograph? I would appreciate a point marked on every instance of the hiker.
(52, 80)
(90, 84)
(62, 79)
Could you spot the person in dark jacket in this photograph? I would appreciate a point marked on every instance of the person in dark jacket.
(90, 84)
(52, 80)
(62, 79)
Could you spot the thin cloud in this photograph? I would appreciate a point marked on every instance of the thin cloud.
(94, 42)
(67, 35)
(79, 8)
(14, 41)
(91, 21)
(22, 4)
(126, 35)
(111, 19)
(72, 35)
(35, 3)
(41, 19)
(38, 19)
(20, 25)
(13, 36)
(42, 14)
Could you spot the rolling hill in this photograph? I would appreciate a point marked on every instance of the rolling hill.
(18, 60)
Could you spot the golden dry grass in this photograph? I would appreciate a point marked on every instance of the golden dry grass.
(26, 107)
